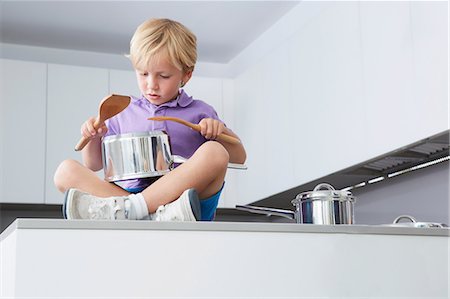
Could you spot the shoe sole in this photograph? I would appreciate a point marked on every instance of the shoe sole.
(194, 201)
(67, 204)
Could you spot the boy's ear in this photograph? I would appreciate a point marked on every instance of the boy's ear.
(187, 76)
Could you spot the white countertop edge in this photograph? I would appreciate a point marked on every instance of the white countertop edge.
(33, 223)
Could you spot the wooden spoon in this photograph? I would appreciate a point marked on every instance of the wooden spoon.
(110, 106)
(221, 137)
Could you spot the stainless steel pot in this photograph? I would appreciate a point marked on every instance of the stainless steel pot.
(323, 205)
(140, 155)
(136, 155)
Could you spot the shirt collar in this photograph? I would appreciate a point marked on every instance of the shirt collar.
(182, 100)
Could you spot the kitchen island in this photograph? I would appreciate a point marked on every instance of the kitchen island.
(50, 258)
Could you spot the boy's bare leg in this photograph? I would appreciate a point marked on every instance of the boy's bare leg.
(72, 174)
(205, 171)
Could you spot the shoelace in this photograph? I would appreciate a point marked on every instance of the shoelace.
(103, 209)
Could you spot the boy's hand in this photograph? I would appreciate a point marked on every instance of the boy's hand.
(210, 128)
(88, 130)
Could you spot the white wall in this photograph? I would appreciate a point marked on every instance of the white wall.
(423, 194)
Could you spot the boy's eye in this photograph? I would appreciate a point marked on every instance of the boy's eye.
(165, 76)
(144, 74)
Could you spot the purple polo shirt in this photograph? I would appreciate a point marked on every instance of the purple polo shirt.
(183, 140)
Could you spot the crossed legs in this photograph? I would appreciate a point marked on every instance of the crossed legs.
(205, 171)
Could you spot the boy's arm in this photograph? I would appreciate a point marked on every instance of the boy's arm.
(92, 154)
(236, 151)
(211, 127)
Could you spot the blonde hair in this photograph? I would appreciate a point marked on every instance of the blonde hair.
(163, 38)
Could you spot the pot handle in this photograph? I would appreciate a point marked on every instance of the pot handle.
(410, 218)
(267, 211)
(180, 159)
(324, 186)
(418, 224)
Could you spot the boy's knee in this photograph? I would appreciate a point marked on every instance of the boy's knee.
(218, 151)
(67, 166)
(63, 171)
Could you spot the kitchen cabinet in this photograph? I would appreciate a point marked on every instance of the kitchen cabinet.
(388, 75)
(74, 94)
(429, 26)
(358, 89)
(23, 131)
(250, 117)
(268, 134)
(55, 99)
(327, 127)
(297, 104)
(338, 89)
(228, 199)
(276, 123)
(405, 61)
(259, 260)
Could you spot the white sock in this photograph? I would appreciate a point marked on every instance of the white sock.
(138, 207)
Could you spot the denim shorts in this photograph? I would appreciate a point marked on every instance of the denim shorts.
(208, 206)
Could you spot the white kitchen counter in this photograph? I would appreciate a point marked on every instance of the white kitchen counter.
(84, 259)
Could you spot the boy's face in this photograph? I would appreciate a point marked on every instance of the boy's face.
(160, 81)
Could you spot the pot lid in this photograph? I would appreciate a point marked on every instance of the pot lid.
(412, 222)
(328, 194)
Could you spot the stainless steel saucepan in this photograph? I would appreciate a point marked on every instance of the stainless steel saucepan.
(140, 155)
(323, 205)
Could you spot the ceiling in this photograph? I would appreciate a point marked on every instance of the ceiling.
(223, 28)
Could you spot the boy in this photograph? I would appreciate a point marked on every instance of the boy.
(163, 54)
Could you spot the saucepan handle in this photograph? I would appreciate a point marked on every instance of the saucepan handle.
(407, 217)
(267, 211)
(180, 159)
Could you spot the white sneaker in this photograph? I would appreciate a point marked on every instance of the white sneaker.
(81, 205)
(185, 208)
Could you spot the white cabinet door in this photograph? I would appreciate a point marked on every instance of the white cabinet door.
(278, 122)
(429, 23)
(22, 116)
(123, 82)
(391, 115)
(229, 195)
(74, 94)
(327, 124)
(405, 63)
(250, 116)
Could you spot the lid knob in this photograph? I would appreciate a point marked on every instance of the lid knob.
(324, 186)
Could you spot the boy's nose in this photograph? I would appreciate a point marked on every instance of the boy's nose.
(152, 83)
